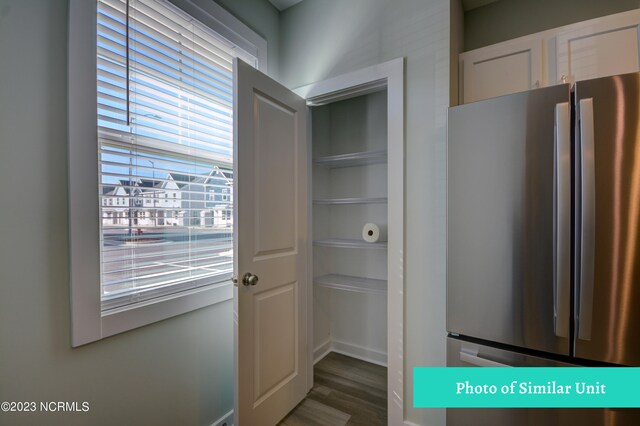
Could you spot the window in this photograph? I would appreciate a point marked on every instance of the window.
(163, 82)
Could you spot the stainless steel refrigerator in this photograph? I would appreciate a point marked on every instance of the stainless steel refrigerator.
(543, 237)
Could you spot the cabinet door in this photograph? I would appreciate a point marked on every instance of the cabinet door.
(598, 48)
(510, 67)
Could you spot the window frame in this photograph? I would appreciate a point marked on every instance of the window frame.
(88, 322)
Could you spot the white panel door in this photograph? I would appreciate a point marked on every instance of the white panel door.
(271, 224)
(598, 48)
(510, 67)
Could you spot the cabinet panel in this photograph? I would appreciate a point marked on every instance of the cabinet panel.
(501, 69)
(599, 47)
(591, 49)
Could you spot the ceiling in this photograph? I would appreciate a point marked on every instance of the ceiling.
(466, 4)
(284, 4)
(472, 4)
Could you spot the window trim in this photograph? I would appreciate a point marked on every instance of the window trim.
(88, 322)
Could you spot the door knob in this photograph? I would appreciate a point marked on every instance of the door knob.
(249, 279)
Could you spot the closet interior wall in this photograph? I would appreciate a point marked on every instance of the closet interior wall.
(349, 145)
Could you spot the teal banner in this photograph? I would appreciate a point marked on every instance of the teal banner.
(531, 387)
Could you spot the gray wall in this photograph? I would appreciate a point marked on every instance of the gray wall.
(263, 18)
(324, 38)
(507, 19)
(176, 372)
(179, 371)
(456, 46)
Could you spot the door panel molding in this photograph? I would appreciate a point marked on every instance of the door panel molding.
(276, 174)
(274, 338)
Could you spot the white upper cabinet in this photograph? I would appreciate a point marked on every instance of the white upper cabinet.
(596, 48)
(599, 47)
(509, 67)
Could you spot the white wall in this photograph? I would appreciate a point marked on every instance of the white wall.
(176, 372)
(509, 19)
(325, 38)
(456, 46)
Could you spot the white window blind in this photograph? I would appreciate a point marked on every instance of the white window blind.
(165, 123)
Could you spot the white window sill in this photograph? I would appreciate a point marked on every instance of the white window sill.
(130, 317)
(127, 318)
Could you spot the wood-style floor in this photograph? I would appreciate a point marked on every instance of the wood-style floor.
(346, 391)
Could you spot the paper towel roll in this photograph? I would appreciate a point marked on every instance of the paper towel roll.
(373, 233)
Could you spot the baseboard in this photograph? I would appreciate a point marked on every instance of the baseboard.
(322, 351)
(360, 352)
(354, 351)
(227, 420)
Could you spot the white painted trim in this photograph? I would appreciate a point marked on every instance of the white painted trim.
(88, 323)
(224, 23)
(395, 245)
(310, 290)
(393, 73)
(118, 321)
(360, 352)
(226, 419)
(84, 233)
(344, 82)
(322, 351)
(354, 351)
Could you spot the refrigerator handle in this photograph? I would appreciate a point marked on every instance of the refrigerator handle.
(474, 359)
(584, 312)
(562, 219)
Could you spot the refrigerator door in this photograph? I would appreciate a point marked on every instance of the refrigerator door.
(509, 219)
(467, 354)
(607, 296)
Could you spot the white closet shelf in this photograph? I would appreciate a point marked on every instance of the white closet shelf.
(350, 283)
(344, 243)
(356, 200)
(352, 159)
